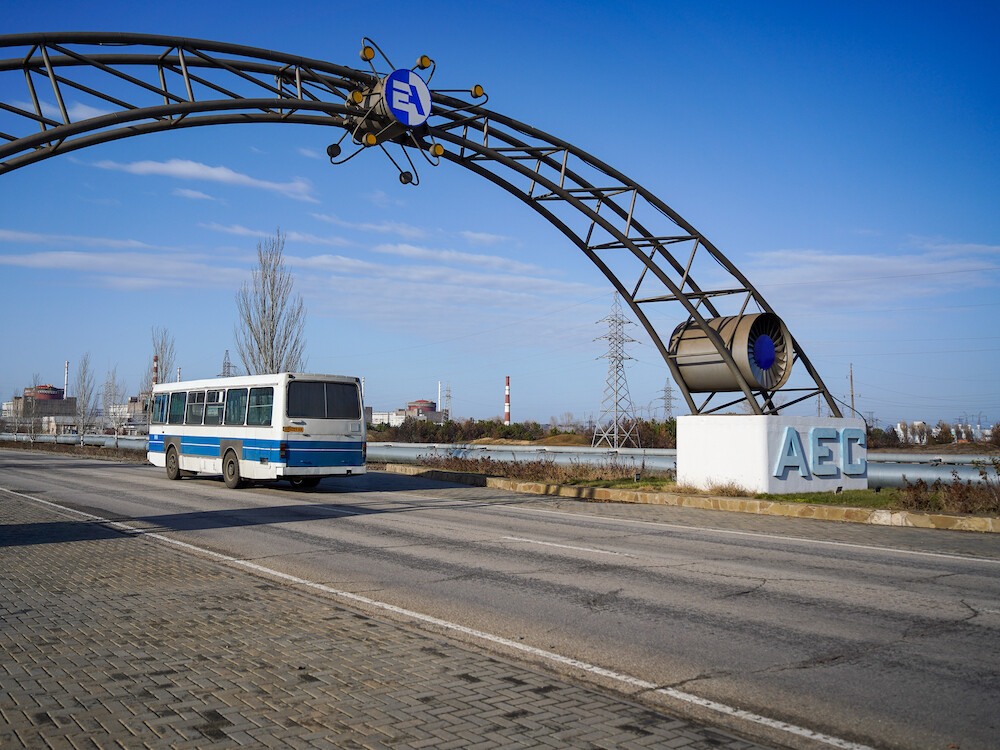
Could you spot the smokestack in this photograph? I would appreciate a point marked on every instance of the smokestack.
(438, 404)
(156, 366)
(178, 374)
(506, 402)
(66, 381)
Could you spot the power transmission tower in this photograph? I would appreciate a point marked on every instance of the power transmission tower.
(447, 400)
(227, 367)
(668, 402)
(617, 426)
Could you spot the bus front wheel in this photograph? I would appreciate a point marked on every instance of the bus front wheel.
(173, 465)
(304, 483)
(231, 471)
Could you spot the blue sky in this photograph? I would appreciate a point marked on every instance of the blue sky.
(845, 157)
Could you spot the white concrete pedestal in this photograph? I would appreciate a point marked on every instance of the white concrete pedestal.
(773, 454)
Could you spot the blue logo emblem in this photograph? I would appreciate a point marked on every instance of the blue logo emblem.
(407, 97)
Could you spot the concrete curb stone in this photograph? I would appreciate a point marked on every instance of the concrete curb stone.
(873, 516)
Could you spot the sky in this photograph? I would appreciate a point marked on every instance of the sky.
(845, 157)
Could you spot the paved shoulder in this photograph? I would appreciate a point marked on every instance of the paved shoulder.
(114, 640)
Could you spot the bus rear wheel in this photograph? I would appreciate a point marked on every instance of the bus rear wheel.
(304, 483)
(231, 471)
(173, 465)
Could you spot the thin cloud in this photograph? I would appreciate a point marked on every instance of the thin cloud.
(309, 153)
(309, 239)
(816, 279)
(184, 169)
(386, 227)
(950, 249)
(454, 257)
(8, 235)
(74, 109)
(483, 238)
(111, 268)
(381, 199)
(435, 277)
(193, 194)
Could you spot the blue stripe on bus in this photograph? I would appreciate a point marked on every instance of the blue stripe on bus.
(300, 453)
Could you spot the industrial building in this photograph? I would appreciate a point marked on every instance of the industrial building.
(420, 410)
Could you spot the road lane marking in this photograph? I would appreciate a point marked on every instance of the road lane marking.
(757, 534)
(622, 679)
(566, 546)
(502, 507)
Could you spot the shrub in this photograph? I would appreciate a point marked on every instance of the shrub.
(956, 496)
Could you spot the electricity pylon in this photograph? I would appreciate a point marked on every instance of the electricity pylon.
(617, 427)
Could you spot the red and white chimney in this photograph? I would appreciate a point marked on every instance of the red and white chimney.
(506, 402)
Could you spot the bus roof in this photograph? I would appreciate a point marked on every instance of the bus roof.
(250, 381)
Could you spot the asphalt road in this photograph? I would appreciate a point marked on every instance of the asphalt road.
(875, 636)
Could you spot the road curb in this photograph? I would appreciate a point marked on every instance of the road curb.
(873, 516)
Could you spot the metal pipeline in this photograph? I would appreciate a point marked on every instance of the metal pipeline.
(884, 475)
(652, 459)
(967, 459)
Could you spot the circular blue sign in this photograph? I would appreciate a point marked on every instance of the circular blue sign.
(407, 97)
(763, 352)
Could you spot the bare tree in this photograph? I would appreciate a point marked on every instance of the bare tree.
(83, 388)
(115, 401)
(31, 412)
(271, 317)
(163, 349)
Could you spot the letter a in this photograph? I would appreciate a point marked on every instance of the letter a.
(792, 455)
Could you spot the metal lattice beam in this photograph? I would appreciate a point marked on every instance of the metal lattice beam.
(149, 83)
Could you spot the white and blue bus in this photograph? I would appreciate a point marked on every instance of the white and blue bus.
(290, 426)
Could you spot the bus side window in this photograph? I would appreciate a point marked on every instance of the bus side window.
(214, 407)
(176, 413)
(261, 400)
(195, 407)
(160, 408)
(236, 406)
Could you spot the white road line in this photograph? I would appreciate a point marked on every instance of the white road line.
(623, 679)
(566, 546)
(757, 534)
(731, 532)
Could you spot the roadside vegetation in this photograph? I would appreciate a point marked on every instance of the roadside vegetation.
(957, 496)
(953, 497)
(566, 430)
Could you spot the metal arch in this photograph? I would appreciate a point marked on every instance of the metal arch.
(604, 213)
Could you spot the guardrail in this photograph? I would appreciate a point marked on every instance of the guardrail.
(138, 442)
(653, 459)
(885, 470)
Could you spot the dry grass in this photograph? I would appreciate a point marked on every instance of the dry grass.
(541, 470)
(729, 489)
(956, 496)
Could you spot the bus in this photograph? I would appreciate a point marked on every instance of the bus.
(295, 426)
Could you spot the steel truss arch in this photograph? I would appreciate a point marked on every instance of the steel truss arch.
(165, 83)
